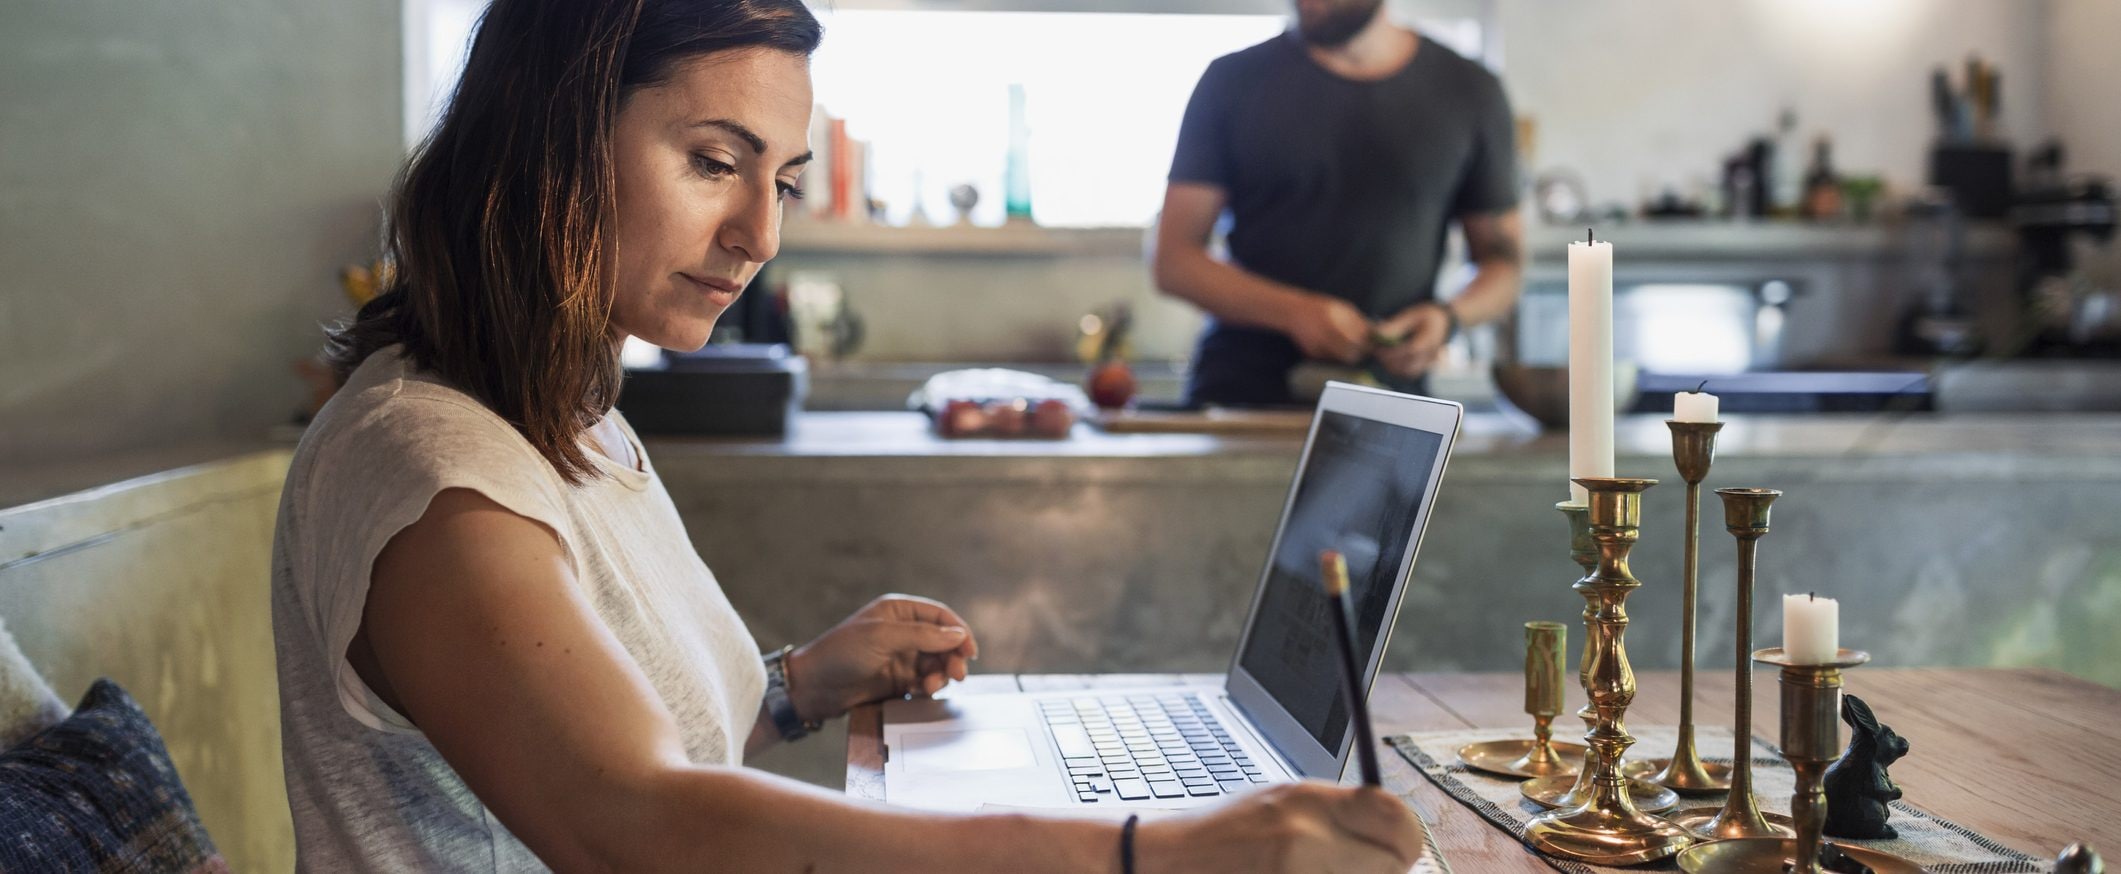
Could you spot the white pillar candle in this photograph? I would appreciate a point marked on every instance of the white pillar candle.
(1590, 363)
(1694, 406)
(1811, 628)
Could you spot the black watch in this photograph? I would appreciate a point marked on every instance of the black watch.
(1450, 317)
(779, 705)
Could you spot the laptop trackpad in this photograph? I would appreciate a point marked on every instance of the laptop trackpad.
(980, 749)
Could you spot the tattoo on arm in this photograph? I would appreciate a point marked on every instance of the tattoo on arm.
(1490, 239)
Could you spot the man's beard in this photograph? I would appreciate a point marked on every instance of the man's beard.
(1338, 25)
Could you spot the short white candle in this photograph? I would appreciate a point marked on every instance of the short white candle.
(1811, 628)
(1694, 406)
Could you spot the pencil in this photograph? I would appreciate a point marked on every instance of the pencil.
(1334, 571)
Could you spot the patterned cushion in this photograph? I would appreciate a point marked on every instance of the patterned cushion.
(97, 793)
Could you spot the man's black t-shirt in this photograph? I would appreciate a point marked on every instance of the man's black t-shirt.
(1338, 186)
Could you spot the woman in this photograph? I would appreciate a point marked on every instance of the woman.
(497, 649)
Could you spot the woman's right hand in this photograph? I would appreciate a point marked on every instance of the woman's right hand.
(1293, 827)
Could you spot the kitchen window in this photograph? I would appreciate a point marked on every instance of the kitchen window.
(928, 90)
(1104, 93)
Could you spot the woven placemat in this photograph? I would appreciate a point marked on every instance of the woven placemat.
(1938, 845)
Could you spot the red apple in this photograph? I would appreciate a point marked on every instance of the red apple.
(1111, 385)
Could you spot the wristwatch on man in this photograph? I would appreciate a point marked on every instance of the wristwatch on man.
(1450, 316)
(779, 705)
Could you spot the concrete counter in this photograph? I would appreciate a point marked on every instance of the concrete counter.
(1969, 540)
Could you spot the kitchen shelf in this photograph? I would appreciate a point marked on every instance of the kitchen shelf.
(1720, 241)
(1641, 240)
(825, 237)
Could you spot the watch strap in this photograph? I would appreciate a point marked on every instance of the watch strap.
(780, 704)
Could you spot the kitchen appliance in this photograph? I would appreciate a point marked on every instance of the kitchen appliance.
(1727, 331)
(1939, 321)
(724, 389)
(2069, 312)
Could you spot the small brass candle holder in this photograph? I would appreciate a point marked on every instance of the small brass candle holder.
(1693, 448)
(1540, 755)
(1745, 516)
(1608, 829)
(1811, 740)
(1573, 790)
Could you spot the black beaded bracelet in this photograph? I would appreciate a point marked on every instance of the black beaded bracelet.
(1126, 844)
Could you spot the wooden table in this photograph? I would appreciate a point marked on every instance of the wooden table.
(2028, 757)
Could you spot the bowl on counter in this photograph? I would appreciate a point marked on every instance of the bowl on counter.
(1543, 392)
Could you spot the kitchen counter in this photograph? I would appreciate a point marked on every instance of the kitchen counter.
(1961, 540)
(1960, 445)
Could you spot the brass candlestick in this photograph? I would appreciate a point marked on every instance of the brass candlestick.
(1745, 516)
(1608, 829)
(1811, 740)
(1538, 756)
(1563, 791)
(1693, 448)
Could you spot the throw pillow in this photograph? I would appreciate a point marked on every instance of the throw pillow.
(97, 793)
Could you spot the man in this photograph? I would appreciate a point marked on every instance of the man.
(1341, 150)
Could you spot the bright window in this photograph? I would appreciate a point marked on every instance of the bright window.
(1104, 96)
(929, 92)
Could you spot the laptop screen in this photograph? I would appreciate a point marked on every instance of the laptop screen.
(1360, 492)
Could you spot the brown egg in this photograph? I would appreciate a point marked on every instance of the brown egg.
(962, 418)
(1006, 418)
(1052, 418)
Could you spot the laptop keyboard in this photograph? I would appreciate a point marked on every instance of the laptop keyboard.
(1135, 747)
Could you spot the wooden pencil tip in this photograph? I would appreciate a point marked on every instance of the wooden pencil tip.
(1333, 572)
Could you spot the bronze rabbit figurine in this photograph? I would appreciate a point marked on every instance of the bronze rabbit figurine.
(1858, 790)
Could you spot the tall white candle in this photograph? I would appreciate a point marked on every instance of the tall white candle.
(1590, 363)
(1811, 628)
(1694, 406)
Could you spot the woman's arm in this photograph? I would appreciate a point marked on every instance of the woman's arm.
(476, 629)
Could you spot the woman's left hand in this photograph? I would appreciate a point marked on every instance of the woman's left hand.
(896, 645)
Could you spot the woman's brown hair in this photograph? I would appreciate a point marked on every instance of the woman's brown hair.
(499, 221)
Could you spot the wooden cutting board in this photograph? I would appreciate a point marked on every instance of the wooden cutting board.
(1213, 420)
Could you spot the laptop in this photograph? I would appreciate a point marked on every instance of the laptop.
(1365, 484)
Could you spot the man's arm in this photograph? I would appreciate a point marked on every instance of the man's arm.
(476, 630)
(1323, 326)
(1495, 244)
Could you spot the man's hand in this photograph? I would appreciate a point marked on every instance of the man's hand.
(896, 645)
(1329, 329)
(1417, 335)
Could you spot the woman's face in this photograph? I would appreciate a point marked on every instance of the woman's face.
(704, 161)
